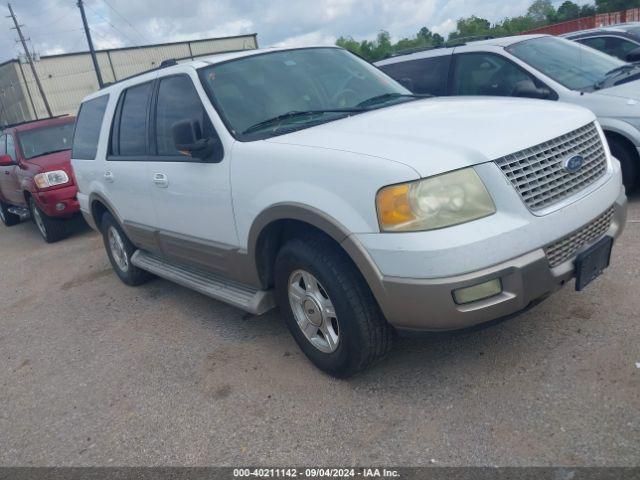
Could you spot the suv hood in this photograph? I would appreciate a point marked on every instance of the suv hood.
(53, 161)
(441, 134)
(628, 91)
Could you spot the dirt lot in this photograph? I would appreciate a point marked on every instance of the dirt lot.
(97, 373)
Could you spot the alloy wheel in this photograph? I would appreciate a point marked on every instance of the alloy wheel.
(313, 310)
(118, 252)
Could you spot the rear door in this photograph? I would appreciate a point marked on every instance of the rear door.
(423, 76)
(192, 197)
(126, 175)
(9, 182)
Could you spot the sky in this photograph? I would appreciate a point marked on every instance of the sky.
(54, 26)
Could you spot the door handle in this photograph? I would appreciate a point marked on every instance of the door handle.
(108, 176)
(161, 180)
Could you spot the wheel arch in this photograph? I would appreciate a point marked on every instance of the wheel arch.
(281, 222)
(98, 207)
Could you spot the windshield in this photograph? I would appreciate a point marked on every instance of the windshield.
(42, 141)
(569, 63)
(277, 92)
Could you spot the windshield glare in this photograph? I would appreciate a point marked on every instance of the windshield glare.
(40, 141)
(569, 63)
(253, 89)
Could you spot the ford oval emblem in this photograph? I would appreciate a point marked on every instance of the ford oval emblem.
(573, 164)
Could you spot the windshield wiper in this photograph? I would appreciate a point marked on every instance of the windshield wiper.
(385, 97)
(296, 114)
(49, 152)
(621, 69)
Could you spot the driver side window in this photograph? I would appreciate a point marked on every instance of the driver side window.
(486, 74)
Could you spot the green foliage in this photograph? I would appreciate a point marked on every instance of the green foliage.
(382, 47)
(605, 6)
(539, 14)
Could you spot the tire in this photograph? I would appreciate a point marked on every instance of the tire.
(9, 219)
(120, 250)
(628, 162)
(352, 335)
(51, 229)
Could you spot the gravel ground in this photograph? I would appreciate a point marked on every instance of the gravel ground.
(98, 373)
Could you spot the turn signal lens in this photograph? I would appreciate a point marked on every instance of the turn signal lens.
(393, 205)
(436, 202)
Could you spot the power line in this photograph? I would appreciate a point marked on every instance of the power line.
(30, 60)
(112, 25)
(145, 39)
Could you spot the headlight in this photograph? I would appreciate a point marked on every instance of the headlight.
(51, 179)
(436, 202)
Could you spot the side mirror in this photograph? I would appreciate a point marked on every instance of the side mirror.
(187, 136)
(633, 56)
(6, 161)
(528, 89)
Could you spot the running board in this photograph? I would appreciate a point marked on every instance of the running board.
(215, 286)
(22, 212)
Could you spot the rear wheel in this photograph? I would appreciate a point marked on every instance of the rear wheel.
(120, 250)
(51, 229)
(628, 162)
(328, 307)
(8, 218)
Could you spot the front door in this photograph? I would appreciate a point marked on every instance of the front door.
(9, 180)
(192, 197)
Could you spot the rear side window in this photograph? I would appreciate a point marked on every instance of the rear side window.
(88, 124)
(427, 75)
(3, 145)
(129, 136)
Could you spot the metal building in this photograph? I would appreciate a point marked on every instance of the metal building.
(68, 78)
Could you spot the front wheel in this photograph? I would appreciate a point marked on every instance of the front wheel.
(120, 250)
(8, 218)
(628, 163)
(51, 229)
(328, 307)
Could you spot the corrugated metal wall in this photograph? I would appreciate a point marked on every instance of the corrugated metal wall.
(68, 78)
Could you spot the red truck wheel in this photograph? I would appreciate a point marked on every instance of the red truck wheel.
(51, 229)
(8, 218)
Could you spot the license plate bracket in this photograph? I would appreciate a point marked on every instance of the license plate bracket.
(591, 263)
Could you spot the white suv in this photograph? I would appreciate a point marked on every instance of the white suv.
(308, 179)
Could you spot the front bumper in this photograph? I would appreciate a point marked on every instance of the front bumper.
(428, 304)
(66, 197)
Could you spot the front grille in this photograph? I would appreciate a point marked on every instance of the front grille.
(539, 175)
(564, 249)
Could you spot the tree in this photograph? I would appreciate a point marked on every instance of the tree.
(587, 10)
(568, 11)
(605, 6)
(471, 27)
(542, 11)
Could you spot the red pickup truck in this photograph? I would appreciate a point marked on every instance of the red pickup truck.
(35, 176)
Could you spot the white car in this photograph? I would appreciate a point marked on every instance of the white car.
(308, 179)
(542, 67)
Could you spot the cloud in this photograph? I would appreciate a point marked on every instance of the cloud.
(55, 26)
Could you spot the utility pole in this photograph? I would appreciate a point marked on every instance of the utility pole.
(90, 42)
(30, 60)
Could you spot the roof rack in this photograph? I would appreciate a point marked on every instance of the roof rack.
(169, 62)
(11, 125)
